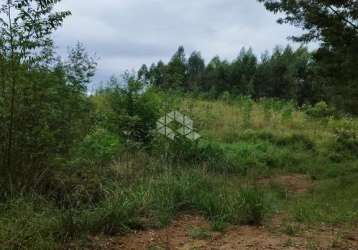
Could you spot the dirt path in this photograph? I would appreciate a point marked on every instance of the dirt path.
(189, 232)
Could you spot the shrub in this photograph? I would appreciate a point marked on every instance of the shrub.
(319, 110)
(134, 111)
(76, 187)
(99, 147)
(225, 97)
(346, 142)
(253, 206)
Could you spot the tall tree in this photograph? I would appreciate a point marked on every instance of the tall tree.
(143, 74)
(335, 24)
(217, 76)
(177, 70)
(196, 70)
(25, 29)
(243, 70)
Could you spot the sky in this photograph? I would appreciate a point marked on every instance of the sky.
(124, 34)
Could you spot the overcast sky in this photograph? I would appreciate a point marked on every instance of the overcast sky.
(127, 33)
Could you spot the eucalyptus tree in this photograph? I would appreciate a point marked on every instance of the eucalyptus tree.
(25, 50)
(196, 70)
(334, 25)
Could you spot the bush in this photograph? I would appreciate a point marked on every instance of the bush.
(207, 153)
(346, 142)
(225, 97)
(253, 206)
(76, 187)
(98, 148)
(319, 110)
(134, 111)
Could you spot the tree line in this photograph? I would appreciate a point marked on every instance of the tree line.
(328, 74)
(286, 74)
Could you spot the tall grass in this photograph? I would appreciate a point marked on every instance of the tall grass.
(110, 188)
(152, 202)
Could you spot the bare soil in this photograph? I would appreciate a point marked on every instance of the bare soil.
(178, 236)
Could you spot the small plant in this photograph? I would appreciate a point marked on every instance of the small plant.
(267, 111)
(346, 141)
(319, 110)
(199, 233)
(288, 243)
(287, 113)
(225, 97)
(247, 110)
(252, 206)
(219, 224)
(291, 229)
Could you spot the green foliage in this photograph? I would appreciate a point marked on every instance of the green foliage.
(29, 223)
(246, 109)
(149, 203)
(77, 186)
(346, 142)
(253, 206)
(99, 147)
(286, 74)
(319, 110)
(71, 164)
(134, 111)
(334, 24)
(217, 177)
(43, 112)
(199, 233)
(333, 201)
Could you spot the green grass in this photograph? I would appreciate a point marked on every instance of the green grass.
(146, 204)
(333, 201)
(216, 178)
(29, 223)
(154, 202)
(199, 233)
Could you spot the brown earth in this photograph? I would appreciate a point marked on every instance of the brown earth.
(179, 236)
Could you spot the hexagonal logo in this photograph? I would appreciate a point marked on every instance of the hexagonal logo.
(186, 128)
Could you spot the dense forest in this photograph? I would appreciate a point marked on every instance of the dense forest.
(74, 163)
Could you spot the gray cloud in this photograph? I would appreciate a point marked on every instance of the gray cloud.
(128, 33)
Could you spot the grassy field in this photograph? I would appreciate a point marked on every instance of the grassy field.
(254, 162)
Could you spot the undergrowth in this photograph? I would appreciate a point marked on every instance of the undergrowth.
(113, 184)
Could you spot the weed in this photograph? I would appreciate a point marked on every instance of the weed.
(29, 223)
(199, 233)
(291, 229)
(98, 148)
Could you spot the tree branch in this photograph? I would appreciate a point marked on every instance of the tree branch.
(342, 17)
